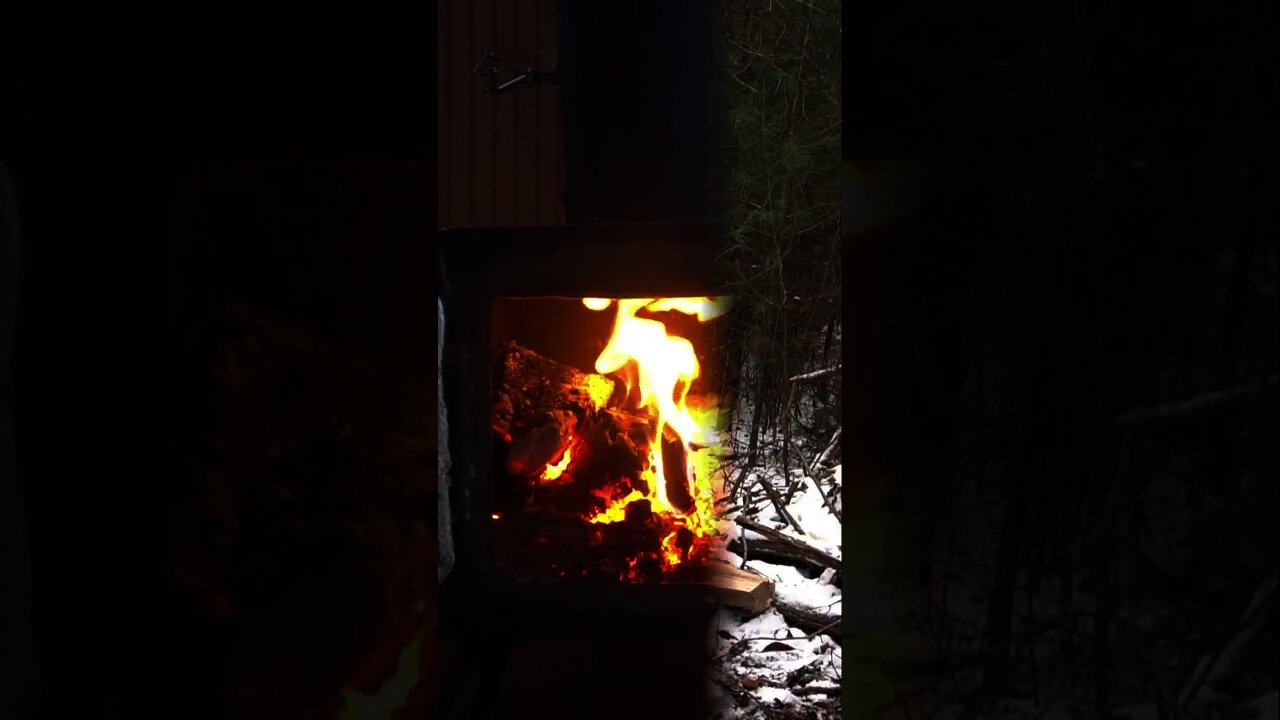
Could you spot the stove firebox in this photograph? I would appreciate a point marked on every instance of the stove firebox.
(604, 418)
(583, 365)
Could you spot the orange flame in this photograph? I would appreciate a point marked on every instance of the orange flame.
(664, 368)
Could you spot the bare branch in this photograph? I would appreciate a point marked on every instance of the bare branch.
(815, 374)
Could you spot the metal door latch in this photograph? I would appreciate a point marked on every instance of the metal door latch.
(488, 70)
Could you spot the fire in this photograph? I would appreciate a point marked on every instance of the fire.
(704, 308)
(617, 511)
(553, 472)
(663, 367)
(670, 552)
(599, 389)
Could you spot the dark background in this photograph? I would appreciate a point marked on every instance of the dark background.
(1098, 160)
(223, 340)
(1092, 232)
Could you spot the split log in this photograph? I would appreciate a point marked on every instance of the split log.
(739, 588)
(674, 468)
(812, 554)
(529, 384)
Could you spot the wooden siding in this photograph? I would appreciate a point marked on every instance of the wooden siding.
(499, 157)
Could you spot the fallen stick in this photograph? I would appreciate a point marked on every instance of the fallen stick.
(816, 623)
(778, 503)
(1213, 667)
(815, 374)
(830, 446)
(1195, 405)
(814, 553)
(817, 690)
(769, 550)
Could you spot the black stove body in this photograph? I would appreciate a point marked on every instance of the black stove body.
(648, 629)
(636, 88)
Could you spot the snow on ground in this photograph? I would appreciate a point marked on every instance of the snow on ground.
(821, 529)
(793, 588)
(776, 661)
(767, 658)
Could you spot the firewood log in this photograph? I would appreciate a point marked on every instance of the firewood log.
(529, 384)
(542, 445)
(674, 461)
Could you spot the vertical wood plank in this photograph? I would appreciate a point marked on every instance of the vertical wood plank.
(559, 131)
(547, 122)
(460, 135)
(482, 130)
(499, 157)
(551, 124)
(443, 35)
(539, 119)
(504, 118)
(526, 166)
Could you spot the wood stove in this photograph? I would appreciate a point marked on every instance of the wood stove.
(645, 634)
(636, 122)
(516, 317)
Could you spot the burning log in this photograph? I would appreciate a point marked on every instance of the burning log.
(532, 452)
(585, 469)
(639, 511)
(609, 455)
(616, 446)
(674, 466)
(530, 384)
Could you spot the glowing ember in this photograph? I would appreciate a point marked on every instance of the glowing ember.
(553, 472)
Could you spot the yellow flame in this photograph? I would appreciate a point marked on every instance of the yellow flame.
(669, 549)
(617, 511)
(600, 389)
(663, 367)
(553, 472)
(703, 308)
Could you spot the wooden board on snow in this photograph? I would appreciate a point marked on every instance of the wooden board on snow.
(739, 588)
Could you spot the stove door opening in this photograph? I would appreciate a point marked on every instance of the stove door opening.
(606, 425)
